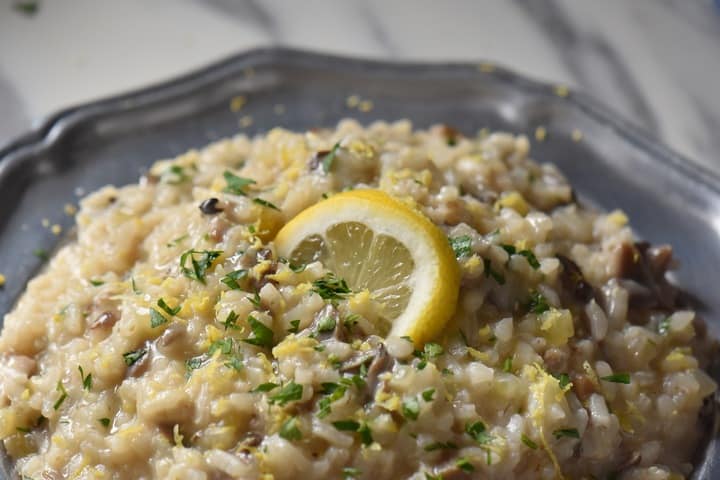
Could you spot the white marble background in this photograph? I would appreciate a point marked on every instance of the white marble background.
(656, 62)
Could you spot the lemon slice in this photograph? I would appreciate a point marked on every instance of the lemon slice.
(377, 243)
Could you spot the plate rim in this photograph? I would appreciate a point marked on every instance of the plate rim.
(52, 126)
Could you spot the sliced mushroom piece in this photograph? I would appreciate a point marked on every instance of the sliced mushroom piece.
(573, 280)
(105, 320)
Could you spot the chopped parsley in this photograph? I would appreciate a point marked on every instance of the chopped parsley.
(177, 241)
(231, 279)
(262, 335)
(194, 363)
(430, 351)
(431, 447)
(41, 253)
(132, 357)
(329, 158)
(428, 394)
(333, 392)
(563, 380)
(265, 387)
(538, 303)
(326, 324)
(288, 393)
(330, 287)
(236, 185)
(617, 378)
(86, 379)
(528, 254)
(156, 318)
(289, 430)
(529, 443)
(430, 476)
(174, 174)
(134, 286)
(265, 203)
(297, 267)
(350, 472)
(200, 262)
(462, 246)
(352, 426)
(224, 346)
(105, 422)
(63, 395)
(294, 326)
(477, 431)
(231, 320)
(566, 432)
(411, 409)
(464, 464)
(346, 425)
(96, 283)
(664, 326)
(166, 308)
(255, 300)
(507, 365)
(23, 429)
(490, 272)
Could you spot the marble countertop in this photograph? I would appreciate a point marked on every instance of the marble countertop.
(655, 62)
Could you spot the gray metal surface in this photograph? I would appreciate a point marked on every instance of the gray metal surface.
(667, 198)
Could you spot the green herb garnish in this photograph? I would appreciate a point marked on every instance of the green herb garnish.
(231, 279)
(63, 395)
(428, 394)
(350, 472)
(617, 378)
(346, 425)
(464, 464)
(231, 321)
(290, 430)
(174, 175)
(265, 387)
(200, 262)
(265, 203)
(537, 304)
(132, 357)
(664, 326)
(294, 326)
(330, 287)
(507, 365)
(236, 185)
(563, 380)
(326, 324)
(411, 409)
(262, 335)
(42, 254)
(566, 432)
(105, 422)
(288, 393)
(431, 447)
(166, 308)
(430, 351)
(156, 318)
(329, 159)
(477, 431)
(96, 283)
(462, 246)
(526, 440)
(86, 379)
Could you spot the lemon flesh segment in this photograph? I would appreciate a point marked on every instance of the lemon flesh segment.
(377, 243)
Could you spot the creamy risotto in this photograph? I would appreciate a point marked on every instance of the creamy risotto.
(172, 340)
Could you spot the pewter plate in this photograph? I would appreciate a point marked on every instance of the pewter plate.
(667, 197)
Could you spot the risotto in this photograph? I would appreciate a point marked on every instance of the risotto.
(174, 337)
